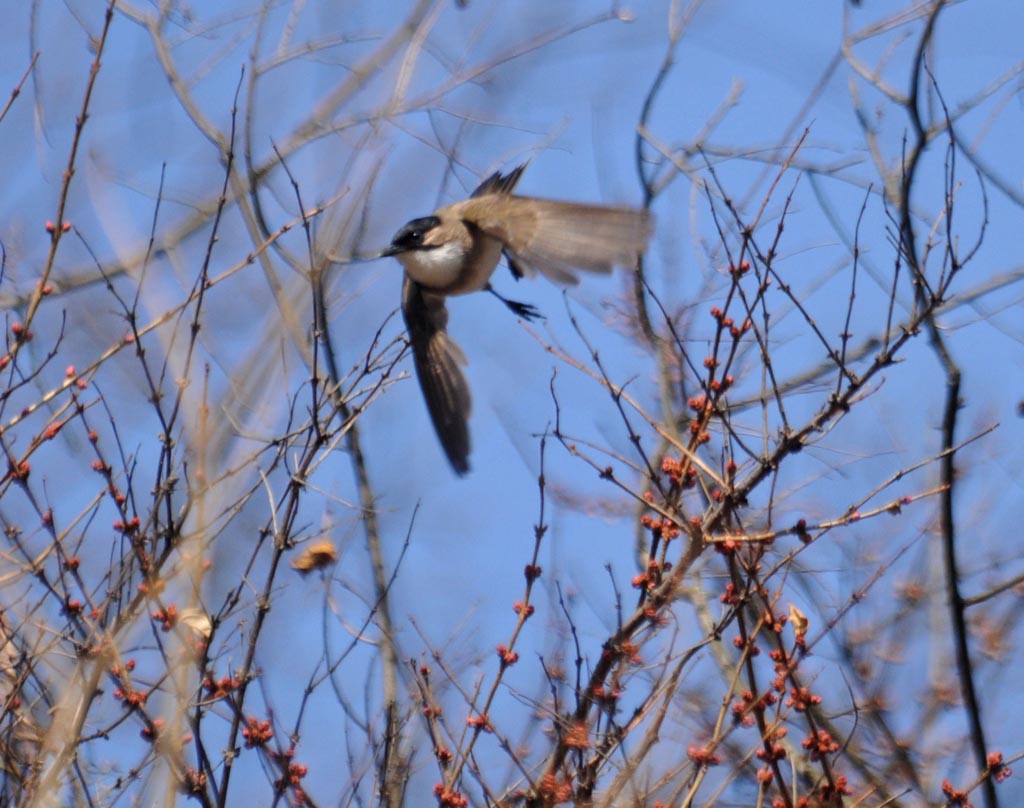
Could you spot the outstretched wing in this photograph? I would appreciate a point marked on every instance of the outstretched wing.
(438, 363)
(558, 239)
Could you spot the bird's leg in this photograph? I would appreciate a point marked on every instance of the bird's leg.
(524, 310)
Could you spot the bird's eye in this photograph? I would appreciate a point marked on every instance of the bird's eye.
(411, 236)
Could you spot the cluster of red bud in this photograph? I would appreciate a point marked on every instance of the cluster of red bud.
(167, 617)
(820, 743)
(507, 657)
(20, 333)
(735, 331)
(430, 711)
(256, 732)
(773, 623)
(607, 696)
(449, 798)
(112, 489)
(782, 670)
(293, 779)
(72, 607)
(81, 384)
(771, 753)
(125, 692)
(119, 671)
(997, 769)
(800, 698)
(665, 529)
(955, 797)
(703, 406)
(555, 790)
(18, 471)
(217, 689)
(697, 424)
(129, 527)
(626, 650)
(650, 579)
(577, 736)
(703, 756)
(678, 473)
(833, 793)
(480, 722)
(730, 597)
(825, 794)
(526, 610)
(51, 228)
(748, 704)
(958, 798)
(131, 698)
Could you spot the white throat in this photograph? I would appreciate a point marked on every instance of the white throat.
(437, 268)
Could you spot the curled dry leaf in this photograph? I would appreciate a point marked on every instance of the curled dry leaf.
(197, 620)
(799, 621)
(317, 556)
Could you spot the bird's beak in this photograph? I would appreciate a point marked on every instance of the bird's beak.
(388, 251)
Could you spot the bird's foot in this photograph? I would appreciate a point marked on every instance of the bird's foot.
(524, 310)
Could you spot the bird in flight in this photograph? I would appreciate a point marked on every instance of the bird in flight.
(455, 250)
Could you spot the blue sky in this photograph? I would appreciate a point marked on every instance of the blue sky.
(571, 108)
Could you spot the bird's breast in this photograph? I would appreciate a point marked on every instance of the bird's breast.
(454, 268)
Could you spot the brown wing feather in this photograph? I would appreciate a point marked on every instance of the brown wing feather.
(499, 183)
(438, 362)
(555, 238)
